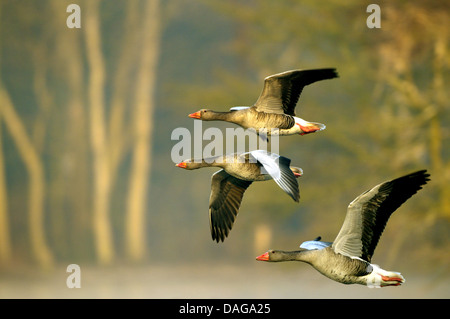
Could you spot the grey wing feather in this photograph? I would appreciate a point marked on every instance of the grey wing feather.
(225, 199)
(278, 167)
(288, 181)
(282, 91)
(368, 214)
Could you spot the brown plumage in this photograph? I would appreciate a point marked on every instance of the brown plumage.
(348, 259)
(275, 107)
(238, 172)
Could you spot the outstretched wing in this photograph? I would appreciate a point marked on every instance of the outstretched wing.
(368, 214)
(281, 91)
(224, 202)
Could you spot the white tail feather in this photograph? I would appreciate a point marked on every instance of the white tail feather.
(381, 278)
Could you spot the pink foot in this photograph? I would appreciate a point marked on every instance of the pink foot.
(307, 129)
(387, 278)
(398, 281)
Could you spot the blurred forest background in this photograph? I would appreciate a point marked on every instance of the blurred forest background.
(86, 116)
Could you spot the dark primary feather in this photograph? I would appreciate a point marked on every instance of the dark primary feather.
(282, 91)
(390, 197)
(225, 199)
(368, 214)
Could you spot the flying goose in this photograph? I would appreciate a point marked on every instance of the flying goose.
(237, 172)
(274, 111)
(348, 259)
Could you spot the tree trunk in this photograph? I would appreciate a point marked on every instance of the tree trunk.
(101, 167)
(436, 137)
(5, 238)
(121, 92)
(143, 127)
(35, 170)
(70, 170)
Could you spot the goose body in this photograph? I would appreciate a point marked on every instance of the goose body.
(348, 258)
(274, 111)
(238, 171)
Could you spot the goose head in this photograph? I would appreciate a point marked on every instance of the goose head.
(281, 255)
(266, 256)
(203, 114)
(190, 164)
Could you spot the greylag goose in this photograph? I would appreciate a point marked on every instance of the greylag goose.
(348, 259)
(274, 111)
(237, 173)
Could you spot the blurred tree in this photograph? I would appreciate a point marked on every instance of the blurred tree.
(143, 129)
(29, 145)
(101, 164)
(5, 238)
(414, 65)
(35, 169)
(69, 159)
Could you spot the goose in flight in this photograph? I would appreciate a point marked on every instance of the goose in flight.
(348, 258)
(238, 172)
(274, 111)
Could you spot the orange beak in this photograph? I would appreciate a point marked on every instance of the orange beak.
(195, 115)
(297, 175)
(263, 257)
(182, 165)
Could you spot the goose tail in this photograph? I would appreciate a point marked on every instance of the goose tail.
(379, 278)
